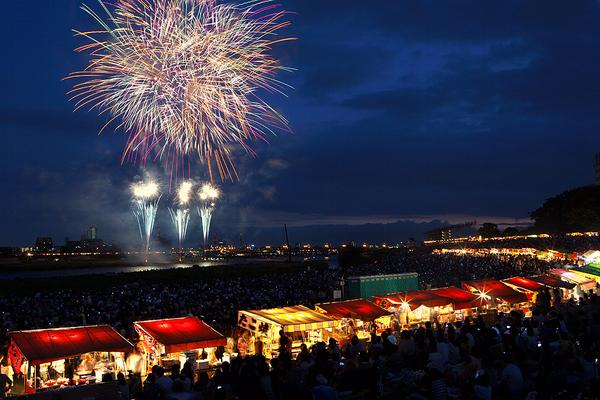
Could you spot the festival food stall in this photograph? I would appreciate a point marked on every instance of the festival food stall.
(583, 283)
(552, 282)
(464, 303)
(414, 307)
(524, 285)
(499, 295)
(260, 329)
(591, 271)
(167, 342)
(591, 256)
(51, 358)
(357, 317)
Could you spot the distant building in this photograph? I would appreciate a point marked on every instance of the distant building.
(92, 233)
(448, 232)
(44, 244)
(597, 167)
(440, 234)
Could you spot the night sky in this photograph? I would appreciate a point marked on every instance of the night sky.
(405, 114)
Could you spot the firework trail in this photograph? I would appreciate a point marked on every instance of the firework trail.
(182, 77)
(181, 215)
(208, 196)
(146, 196)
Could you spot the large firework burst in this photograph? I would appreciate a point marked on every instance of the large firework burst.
(181, 77)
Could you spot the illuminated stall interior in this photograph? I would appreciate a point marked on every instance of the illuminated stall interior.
(464, 303)
(260, 328)
(51, 358)
(167, 342)
(356, 316)
(583, 284)
(416, 306)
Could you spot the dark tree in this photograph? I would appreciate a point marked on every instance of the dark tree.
(489, 230)
(511, 231)
(571, 211)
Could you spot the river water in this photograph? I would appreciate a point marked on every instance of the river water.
(93, 270)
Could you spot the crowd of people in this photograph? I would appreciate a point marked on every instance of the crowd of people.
(450, 269)
(218, 300)
(323, 370)
(552, 355)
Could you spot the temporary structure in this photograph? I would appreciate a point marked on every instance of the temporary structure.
(496, 291)
(524, 285)
(355, 315)
(176, 340)
(301, 323)
(49, 348)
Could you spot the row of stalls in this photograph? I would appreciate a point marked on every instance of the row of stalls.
(53, 358)
(443, 305)
(261, 330)
(475, 297)
(582, 282)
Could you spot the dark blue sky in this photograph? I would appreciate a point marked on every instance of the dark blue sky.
(406, 111)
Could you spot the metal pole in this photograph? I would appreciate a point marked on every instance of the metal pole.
(287, 241)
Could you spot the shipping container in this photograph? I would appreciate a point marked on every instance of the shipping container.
(377, 285)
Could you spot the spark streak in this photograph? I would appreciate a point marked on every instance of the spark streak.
(146, 196)
(208, 196)
(181, 215)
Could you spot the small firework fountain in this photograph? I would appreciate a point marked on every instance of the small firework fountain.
(146, 196)
(181, 215)
(208, 196)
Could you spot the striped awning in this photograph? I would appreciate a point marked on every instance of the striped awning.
(291, 319)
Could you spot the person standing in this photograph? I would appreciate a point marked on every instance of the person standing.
(5, 385)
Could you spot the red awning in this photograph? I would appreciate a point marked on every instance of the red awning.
(461, 299)
(45, 345)
(523, 283)
(359, 308)
(553, 282)
(182, 334)
(496, 289)
(414, 298)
